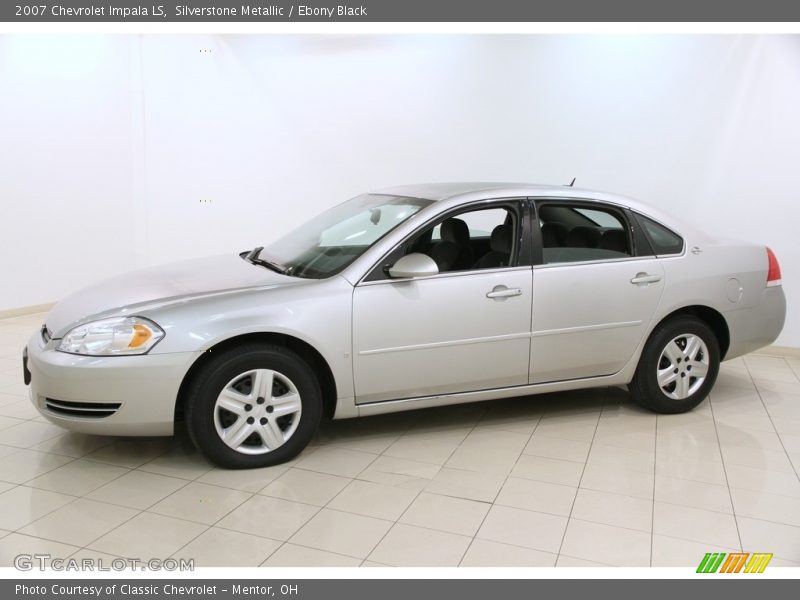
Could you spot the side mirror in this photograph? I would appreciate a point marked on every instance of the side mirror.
(415, 264)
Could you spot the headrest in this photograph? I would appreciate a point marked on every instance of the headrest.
(554, 235)
(455, 230)
(583, 237)
(501, 239)
(445, 254)
(614, 239)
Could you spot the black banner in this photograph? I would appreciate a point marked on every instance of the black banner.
(733, 588)
(198, 11)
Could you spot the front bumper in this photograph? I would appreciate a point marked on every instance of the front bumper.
(117, 395)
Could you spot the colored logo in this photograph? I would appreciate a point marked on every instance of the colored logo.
(735, 562)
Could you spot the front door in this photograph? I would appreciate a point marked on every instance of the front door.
(464, 329)
(441, 335)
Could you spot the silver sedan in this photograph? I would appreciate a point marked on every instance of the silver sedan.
(406, 298)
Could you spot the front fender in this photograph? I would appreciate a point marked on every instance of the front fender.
(318, 313)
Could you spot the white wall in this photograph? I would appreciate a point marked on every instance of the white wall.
(122, 136)
(66, 127)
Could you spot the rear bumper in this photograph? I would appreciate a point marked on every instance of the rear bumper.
(757, 326)
(118, 395)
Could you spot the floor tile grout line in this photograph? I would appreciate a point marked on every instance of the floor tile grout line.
(86, 546)
(695, 541)
(725, 471)
(19, 529)
(37, 443)
(116, 504)
(187, 482)
(148, 511)
(653, 504)
(583, 471)
(67, 433)
(469, 545)
(354, 478)
(599, 564)
(500, 489)
(769, 416)
(24, 484)
(84, 495)
(171, 447)
(149, 507)
(131, 468)
(625, 527)
(319, 508)
(140, 511)
(284, 542)
(128, 470)
(251, 496)
(794, 370)
(219, 520)
(492, 504)
(389, 530)
(17, 450)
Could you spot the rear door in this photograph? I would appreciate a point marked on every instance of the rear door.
(595, 292)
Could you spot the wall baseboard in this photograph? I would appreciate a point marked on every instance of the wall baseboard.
(784, 351)
(26, 310)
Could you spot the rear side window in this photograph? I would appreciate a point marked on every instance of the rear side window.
(601, 218)
(663, 240)
(582, 233)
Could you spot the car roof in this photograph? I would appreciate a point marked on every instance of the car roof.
(454, 193)
(444, 190)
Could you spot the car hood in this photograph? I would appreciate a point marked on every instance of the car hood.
(158, 286)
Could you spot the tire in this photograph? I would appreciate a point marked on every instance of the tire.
(666, 379)
(242, 428)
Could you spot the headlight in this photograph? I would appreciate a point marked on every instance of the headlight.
(112, 337)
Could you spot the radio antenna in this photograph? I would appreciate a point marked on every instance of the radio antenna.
(571, 183)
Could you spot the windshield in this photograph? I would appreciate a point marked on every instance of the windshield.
(332, 240)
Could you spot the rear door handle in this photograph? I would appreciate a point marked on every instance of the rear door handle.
(645, 278)
(501, 291)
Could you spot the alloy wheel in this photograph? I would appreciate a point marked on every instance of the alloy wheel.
(257, 411)
(683, 366)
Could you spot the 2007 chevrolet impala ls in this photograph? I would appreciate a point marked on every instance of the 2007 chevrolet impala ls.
(406, 298)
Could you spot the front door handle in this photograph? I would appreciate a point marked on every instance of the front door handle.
(501, 291)
(645, 279)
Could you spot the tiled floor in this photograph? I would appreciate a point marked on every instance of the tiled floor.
(576, 479)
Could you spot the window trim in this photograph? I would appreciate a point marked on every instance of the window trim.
(640, 239)
(445, 275)
(638, 216)
(524, 246)
(623, 213)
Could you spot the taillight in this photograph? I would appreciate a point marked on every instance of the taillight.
(774, 271)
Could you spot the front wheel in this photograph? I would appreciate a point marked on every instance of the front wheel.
(253, 406)
(678, 366)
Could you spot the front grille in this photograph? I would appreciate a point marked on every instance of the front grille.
(46, 335)
(89, 410)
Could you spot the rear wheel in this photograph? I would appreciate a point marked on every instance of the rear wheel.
(678, 366)
(253, 406)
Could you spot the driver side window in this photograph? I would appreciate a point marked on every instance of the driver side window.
(483, 238)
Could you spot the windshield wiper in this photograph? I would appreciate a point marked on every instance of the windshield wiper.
(253, 257)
